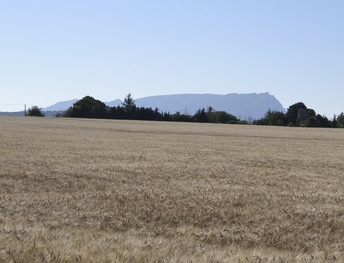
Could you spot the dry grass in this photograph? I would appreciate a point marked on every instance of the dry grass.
(126, 191)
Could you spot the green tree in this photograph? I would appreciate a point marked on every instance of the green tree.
(200, 116)
(35, 111)
(261, 121)
(334, 121)
(293, 111)
(87, 107)
(276, 118)
(222, 117)
(181, 117)
(340, 120)
(322, 121)
(310, 121)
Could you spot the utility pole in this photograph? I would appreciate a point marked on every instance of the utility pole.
(24, 109)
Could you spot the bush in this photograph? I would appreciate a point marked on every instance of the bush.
(35, 111)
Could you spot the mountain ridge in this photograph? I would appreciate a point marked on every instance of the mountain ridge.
(61, 105)
(245, 106)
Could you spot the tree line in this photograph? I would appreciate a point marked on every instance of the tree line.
(299, 115)
(88, 107)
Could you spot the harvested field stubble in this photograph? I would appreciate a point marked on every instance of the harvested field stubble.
(76, 190)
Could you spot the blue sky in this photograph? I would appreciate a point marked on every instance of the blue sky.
(52, 51)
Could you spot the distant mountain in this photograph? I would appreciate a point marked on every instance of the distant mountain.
(114, 103)
(60, 106)
(244, 106)
(13, 113)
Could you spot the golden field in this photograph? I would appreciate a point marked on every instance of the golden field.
(77, 190)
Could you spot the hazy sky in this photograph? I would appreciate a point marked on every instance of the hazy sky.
(59, 50)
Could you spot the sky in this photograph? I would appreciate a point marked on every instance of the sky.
(59, 50)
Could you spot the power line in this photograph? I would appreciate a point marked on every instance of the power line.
(14, 107)
(1, 104)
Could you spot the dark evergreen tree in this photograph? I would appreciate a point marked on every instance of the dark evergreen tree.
(129, 103)
(334, 121)
(166, 116)
(322, 121)
(200, 116)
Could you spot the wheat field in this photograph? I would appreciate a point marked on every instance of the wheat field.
(78, 190)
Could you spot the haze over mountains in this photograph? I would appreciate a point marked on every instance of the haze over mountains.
(244, 106)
